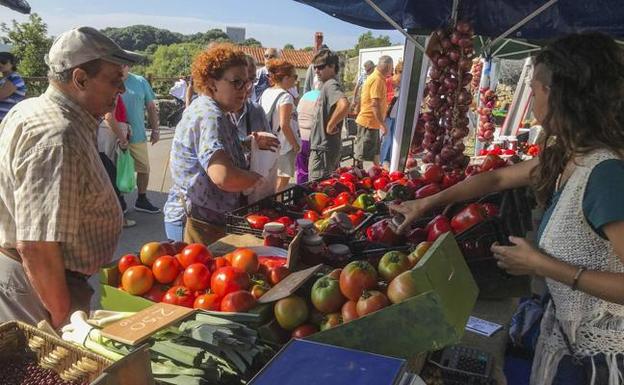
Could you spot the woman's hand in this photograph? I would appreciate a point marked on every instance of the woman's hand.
(520, 259)
(266, 142)
(411, 210)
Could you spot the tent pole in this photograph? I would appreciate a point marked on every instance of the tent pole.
(415, 65)
(524, 21)
(395, 24)
(502, 56)
(454, 11)
(501, 47)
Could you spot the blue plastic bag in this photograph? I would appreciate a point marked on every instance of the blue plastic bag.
(126, 177)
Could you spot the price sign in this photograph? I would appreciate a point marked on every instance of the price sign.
(142, 325)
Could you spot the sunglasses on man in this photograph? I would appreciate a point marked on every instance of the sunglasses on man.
(320, 67)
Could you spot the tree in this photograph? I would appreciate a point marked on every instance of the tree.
(252, 42)
(209, 36)
(308, 48)
(289, 46)
(173, 60)
(139, 37)
(367, 40)
(29, 44)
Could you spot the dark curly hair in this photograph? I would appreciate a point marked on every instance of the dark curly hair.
(585, 104)
(213, 62)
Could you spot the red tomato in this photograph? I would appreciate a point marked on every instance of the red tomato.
(331, 320)
(304, 331)
(179, 295)
(166, 269)
(238, 302)
(197, 277)
(311, 215)
(126, 261)
(433, 174)
(245, 259)
(156, 293)
(179, 281)
(356, 277)
(228, 279)
(291, 312)
(137, 280)
(371, 301)
(194, 253)
(349, 311)
(207, 302)
(150, 252)
(277, 274)
(287, 221)
(257, 221)
(271, 262)
(258, 291)
(404, 286)
(219, 262)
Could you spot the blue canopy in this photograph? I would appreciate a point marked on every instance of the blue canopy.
(489, 18)
(21, 6)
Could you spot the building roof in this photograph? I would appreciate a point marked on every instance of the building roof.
(299, 58)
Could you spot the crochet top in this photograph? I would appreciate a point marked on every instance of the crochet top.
(593, 326)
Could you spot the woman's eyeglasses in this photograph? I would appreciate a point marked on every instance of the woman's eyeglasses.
(239, 84)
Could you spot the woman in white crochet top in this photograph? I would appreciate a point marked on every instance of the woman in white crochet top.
(578, 89)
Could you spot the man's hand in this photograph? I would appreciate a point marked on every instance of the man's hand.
(123, 143)
(154, 137)
(266, 142)
(384, 130)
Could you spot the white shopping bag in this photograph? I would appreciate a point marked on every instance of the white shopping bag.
(264, 162)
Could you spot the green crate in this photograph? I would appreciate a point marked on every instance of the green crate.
(430, 321)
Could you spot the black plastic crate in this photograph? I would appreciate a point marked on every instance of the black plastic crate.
(493, 282)
(364, 250)
(282, 202)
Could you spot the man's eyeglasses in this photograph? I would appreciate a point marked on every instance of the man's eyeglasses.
(320, 67)
(239, 84)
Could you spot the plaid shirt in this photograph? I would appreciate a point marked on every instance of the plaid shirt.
(53, 186)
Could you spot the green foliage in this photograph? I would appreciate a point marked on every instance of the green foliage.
(367, 40)
(252, 42)
(308, 48)
(173, 60)
(209, 36)
(139, 37)
(289, 46)
(29, 44)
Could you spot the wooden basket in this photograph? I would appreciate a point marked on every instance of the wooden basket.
(71, 362)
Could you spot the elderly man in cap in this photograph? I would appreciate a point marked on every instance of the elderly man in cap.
(59, 217)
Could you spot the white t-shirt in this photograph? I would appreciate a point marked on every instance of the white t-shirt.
(266, 101)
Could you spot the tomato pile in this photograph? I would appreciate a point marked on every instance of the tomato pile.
(189, 275)
(349, 293)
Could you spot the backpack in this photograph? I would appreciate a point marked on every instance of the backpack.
(261, 84)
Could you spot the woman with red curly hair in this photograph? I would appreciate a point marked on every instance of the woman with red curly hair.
(279, 106)
(208, 166)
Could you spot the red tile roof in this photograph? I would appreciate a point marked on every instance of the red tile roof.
(299, 58)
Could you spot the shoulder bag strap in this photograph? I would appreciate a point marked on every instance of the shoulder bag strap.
(269, 114)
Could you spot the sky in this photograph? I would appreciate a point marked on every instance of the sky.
(273, 22)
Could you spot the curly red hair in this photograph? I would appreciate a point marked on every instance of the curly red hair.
(213, 62)
(279, 69)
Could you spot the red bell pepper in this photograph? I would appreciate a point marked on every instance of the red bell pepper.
(287, 221)
(383, 232)
(381, 182)
(343, 198)
(396, 175)
(468, 217)
(347, 177)
(430, 189)
(366, 183)
(257, 221)
(437, 226)
(433, 174)
(357, 217)
(491, 210)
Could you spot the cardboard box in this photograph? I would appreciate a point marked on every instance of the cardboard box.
(430, 321)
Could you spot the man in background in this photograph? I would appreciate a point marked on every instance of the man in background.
(331, 108)
(369, 67)
(371, 118)
(139, 97)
